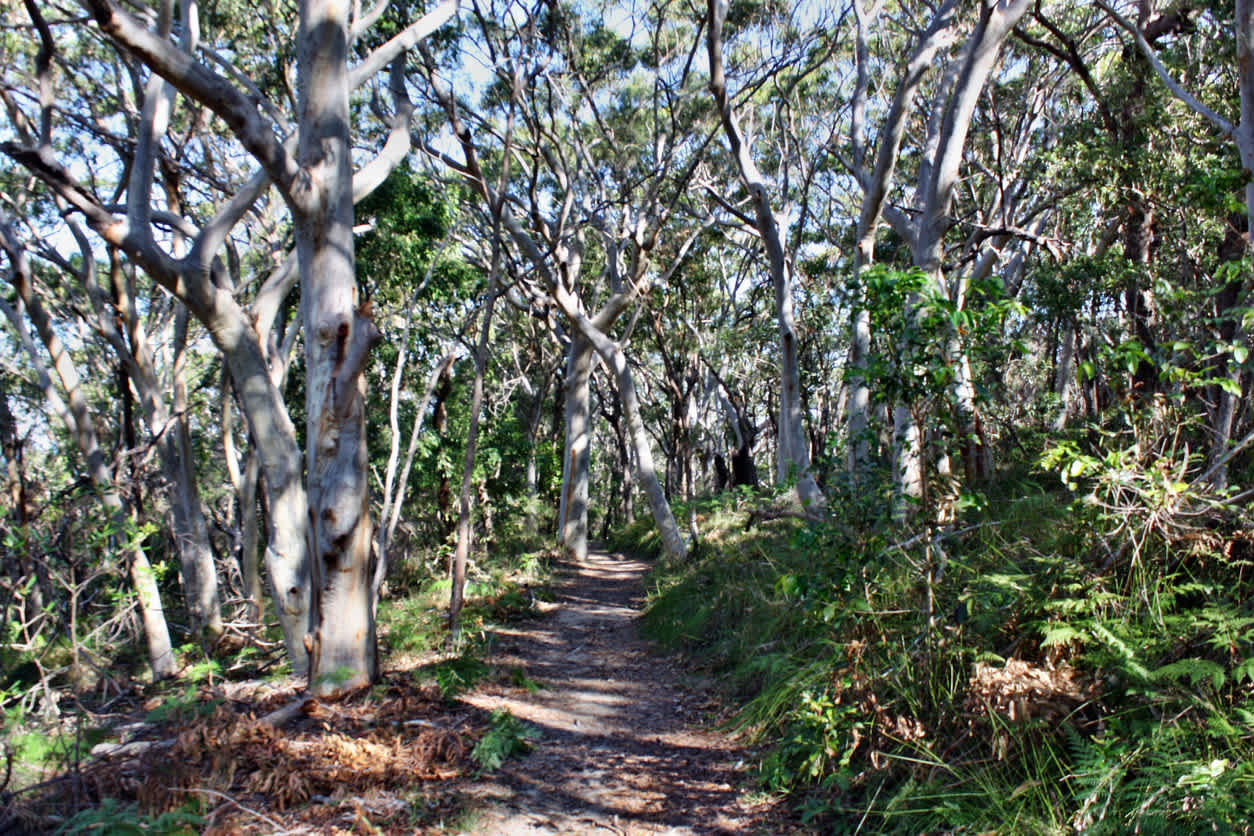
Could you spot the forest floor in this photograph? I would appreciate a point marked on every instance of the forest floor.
(620, 739)
(626, 742)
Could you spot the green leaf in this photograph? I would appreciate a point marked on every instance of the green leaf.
(1060, 634)
(1194, 670)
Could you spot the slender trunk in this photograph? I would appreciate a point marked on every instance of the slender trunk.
(1139, 300)
(573, 508)
(1064, 377)
(939, 175)
(1234, 247)
(200, 578)
(907, 463)
(273, 442)
(877, 184)
(672, 542)
(82, 429)
(244, 482)
(532, 477)
(792, 450)
(976, 455)
(394, 494)
(465, 531)
(621, 483)
(250, 537)
(860, 396)
(439, 423)
(1221, 424)
(12, 444)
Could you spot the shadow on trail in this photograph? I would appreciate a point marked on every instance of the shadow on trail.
(622, 748)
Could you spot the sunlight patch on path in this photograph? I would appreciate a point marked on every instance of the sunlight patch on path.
(622, 749)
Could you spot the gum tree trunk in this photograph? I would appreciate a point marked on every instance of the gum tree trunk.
(338, 338)
(672, 541)
(573, 507)
(792, 449)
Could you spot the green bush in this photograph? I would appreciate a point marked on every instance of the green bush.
(1066, 658)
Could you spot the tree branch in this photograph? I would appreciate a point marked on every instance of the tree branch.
(202, 84)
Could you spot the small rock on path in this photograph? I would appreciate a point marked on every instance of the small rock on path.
(622, 749)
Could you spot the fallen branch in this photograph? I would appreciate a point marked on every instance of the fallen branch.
(228, 799)
(282, 715)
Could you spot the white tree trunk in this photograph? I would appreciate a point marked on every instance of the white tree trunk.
(792, 450)
(573, 506)
(672, 541)
(465, 532)
(876, 184)
(338, 338)
(1064, 377)
(907, 463)
(200, 577)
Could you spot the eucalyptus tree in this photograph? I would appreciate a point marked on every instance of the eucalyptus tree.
(605, 149)
(963, 50)
(135, 329)
(778, 238)
(1233, 294)
(67, 399)
(318, 554)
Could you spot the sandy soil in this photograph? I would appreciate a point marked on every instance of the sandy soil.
(626, 742)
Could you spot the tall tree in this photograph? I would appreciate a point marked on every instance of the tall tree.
(320, 532)
(792, 448)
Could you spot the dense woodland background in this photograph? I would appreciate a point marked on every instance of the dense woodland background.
(911, 337)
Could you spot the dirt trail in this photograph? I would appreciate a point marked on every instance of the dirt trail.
(623, 748)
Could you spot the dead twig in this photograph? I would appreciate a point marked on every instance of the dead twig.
(229, 800)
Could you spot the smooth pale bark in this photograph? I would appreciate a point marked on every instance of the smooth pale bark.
(167, 423)
(907, 463)
(533, 432)
(1064, 375)
(577, 457)
(169, 429)
(556, 254)
(330, 521)
(997, 21)
(191, 281)
(200, 578)
(956, 99)
(250, 537)
(198, 572)
(82, 429)
(631, 224)
(792, 449)
(394, 489)
(672, 541)
(338, 338)
(244, 482)
(876, 184)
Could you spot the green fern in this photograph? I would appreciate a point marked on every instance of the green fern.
(506, 737)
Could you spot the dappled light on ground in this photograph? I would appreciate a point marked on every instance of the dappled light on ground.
(622, 746)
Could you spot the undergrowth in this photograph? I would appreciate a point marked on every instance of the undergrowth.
(1059, 659)
(231, 753)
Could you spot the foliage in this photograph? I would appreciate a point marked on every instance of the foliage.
(1042, 665)
(507, 737)
(114, 817)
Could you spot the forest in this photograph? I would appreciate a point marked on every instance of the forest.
(890, 360)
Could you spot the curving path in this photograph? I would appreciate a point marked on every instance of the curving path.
(624, 748)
